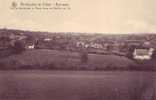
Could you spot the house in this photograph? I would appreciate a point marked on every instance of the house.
(143, 54)
(30, 45)
(47, 39)
(95, 45)
(80, 44)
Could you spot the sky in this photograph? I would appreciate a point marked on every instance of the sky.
(89, 16)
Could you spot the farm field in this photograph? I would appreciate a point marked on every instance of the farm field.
(77, 85)
(64, 60)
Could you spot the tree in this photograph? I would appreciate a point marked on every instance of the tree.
(18, 47)
(84, 56)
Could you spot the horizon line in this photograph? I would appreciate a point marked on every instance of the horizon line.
(87, 33)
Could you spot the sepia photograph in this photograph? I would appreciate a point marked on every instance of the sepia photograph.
(77, 50)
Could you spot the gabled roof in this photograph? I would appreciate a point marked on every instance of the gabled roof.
(141, 52)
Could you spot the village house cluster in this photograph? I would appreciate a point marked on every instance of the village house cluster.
(136, 47)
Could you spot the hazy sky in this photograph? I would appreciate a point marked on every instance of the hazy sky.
(102, 16)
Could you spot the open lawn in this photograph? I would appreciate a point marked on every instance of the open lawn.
(65, 60)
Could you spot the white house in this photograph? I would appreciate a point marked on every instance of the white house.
(96, 45)
(31, 46)
(143, 54)
(47, 39)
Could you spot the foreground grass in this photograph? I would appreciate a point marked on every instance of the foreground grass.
(77, 85)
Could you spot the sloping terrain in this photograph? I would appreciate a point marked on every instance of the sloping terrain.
(54, 59)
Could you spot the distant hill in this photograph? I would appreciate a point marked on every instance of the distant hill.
(40, 33)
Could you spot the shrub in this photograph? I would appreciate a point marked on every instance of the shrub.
(18, 47)
(84, 57)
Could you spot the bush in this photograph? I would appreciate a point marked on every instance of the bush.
(18, 47)
(84, 57)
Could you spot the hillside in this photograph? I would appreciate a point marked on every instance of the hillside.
(52, 59)
(21, 49)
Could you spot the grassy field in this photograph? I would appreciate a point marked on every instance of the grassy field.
(77, 85)
(64, 60)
